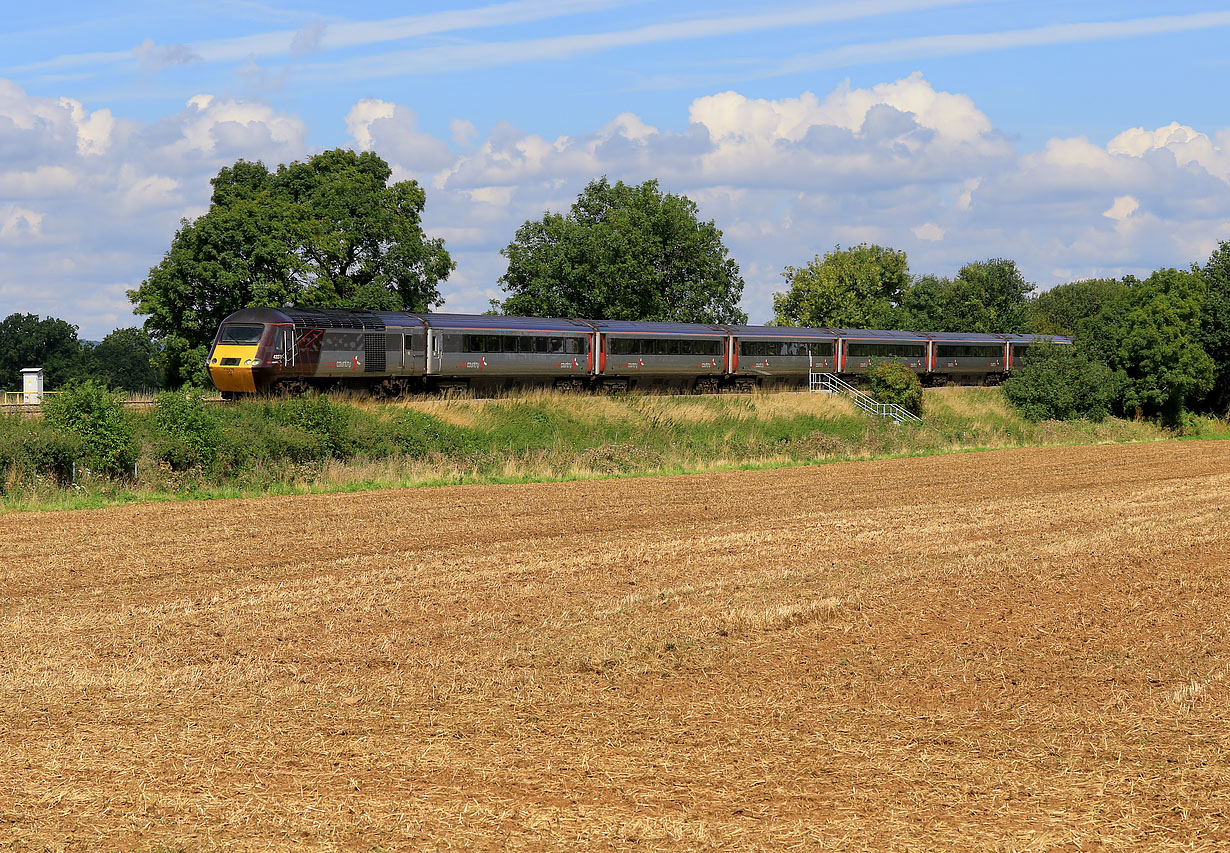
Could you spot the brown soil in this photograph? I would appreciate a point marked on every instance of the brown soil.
(1013, 650)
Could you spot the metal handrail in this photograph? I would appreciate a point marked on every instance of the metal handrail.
(831, 383)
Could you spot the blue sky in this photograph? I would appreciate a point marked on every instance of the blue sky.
(1080, 138)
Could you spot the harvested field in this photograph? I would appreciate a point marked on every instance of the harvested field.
(735, 660)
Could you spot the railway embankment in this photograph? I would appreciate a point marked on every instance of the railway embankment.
(180, 447)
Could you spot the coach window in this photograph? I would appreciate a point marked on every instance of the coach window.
(967, 351)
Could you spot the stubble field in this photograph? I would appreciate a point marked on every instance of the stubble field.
(1010, 650)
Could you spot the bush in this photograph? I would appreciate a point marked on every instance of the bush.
(1059, 382)
(186, 431)
(893, 382)
(328, 422)
(93, 413)
(29, 446)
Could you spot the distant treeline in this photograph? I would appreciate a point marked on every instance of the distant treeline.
(126, 359)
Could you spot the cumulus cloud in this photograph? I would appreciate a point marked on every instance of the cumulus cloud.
(393, 130)
(88, 200)
(1123, 207)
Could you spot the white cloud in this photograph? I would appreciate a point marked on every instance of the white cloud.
(928, 231)
(88, 200)
(462, 131)
(359, 120)
(1184, 143)
(19, 223)
(155, 57)
(1123, 207)
(41, 182)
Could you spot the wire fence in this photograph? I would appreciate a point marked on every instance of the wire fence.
(26, 398)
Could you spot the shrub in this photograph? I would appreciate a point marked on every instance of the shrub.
(187, 432)
(30, 446)
(893, 382)
(329, 422)
(93, 413)
(1059, 382)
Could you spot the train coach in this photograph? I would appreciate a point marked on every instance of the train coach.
(292, 350)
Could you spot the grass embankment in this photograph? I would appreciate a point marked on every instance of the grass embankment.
(263, 447)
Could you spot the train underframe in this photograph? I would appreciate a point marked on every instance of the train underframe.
(402, 386)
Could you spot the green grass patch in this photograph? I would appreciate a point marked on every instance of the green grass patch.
(186, 449)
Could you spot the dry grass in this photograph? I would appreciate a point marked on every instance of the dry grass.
(1037, 661)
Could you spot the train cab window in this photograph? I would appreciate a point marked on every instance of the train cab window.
(235, 333)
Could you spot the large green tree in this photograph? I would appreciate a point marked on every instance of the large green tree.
(985, 296)
(622, 253)
(858, 287)
(1061, 310)
(1214, 335)
(26, 340)
(328, 232)
(1151, 337)
(126, 359)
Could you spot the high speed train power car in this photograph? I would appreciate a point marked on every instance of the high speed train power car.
(291, 350)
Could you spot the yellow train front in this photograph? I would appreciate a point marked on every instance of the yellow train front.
(249, 351)
(293, 350)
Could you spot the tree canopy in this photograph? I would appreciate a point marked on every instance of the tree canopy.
(623, 253)
(985, 296)
(858, 287)
(1150, 337)
(328, 232)
(1060, 310)
(126, 359)
(1214, 334)
(26, 340)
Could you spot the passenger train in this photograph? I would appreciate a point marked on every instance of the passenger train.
(291, 350)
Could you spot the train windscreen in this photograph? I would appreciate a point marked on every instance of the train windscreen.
(237, 333)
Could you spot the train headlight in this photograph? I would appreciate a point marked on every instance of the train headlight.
(213, 361)
(248, 363)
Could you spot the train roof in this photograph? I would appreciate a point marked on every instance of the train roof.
(967, 337)
(791, 332)
(1029, 339)
(500, 323)
(881, 335)
(345, 318)
(646, 327)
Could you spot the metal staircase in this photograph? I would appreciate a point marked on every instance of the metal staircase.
(830, 383)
